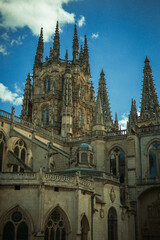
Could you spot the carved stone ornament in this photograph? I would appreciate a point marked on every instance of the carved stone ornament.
(101, 213)
(112, 195)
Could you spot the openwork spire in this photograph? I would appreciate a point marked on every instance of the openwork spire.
(81, 55)
(133, 117)
(116, 122)
(102, 92)
(56, 45)
(26, 112)
(99, 117)
(67, 86)
(39, 54)
(149, 102)
(75, 45)
(86, 56)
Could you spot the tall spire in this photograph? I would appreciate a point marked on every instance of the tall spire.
(75, 45)
(56, 45)
(133, 117)
(67, 104)
(102, 92)
(26, 112)
(149, 102)
(39, 54)
(116, 122)
(81, 55)
(99, 117)
(86, 57)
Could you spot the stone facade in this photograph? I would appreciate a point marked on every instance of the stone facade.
(66, 170)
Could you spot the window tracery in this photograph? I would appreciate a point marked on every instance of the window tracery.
(47, 85)
(117, 163)
(20, 150)
(45, 115)
(16, 227)
(154, 160)
(56, 226)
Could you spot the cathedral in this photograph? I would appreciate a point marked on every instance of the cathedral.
(67, 170)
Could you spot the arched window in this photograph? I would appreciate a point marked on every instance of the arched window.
(112, 224)
(20, 150)
(16, 227)
(154, 160)
(117, 163)
(2, 148)
(84, 157)
(56, 227)
(45, 115)
(84, 228)
(47, 85)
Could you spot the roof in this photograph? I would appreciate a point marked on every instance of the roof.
(85, 147)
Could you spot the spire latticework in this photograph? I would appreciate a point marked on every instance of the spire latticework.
(81, 55)
(149, 103)
(116, 122)
(133, 117)
(99, 117)
(56, 45)
(75, 45)
(86, 57)
(102, 92)
(26, 112)
(39, 54)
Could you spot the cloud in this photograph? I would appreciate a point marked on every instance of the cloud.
(18, 41)
(3, 50)
(18, 89)
(81, 21)
(7, 96)
(34, 14)
(95, 35)
(123, 121)
(82, 39)
(5, 36)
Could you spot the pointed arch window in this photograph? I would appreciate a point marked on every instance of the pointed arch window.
(56, 227)
(154, 160)
(20, 150)
(47, 85)
(2, 149)
(117, 163)
(45, 115)
(112, 224)
(16, 227)
(84, 228)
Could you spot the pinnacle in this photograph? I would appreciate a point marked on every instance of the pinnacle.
(146, 60)
(66, 56)
(102, 73)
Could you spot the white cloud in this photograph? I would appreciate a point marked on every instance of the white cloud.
(82, 39)
(3, 50)
(34, 14)
(95, 35)
(7, 96)
(123, 121)
(81, 21)
(5, 36)
(18, 89)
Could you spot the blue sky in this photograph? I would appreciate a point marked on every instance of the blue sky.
(120, 35)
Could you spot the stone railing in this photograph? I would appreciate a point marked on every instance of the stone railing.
(5, 114)
(49, 179)
(41, 130)
(148, 181)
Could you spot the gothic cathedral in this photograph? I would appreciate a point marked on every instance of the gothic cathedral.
(67, 171)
